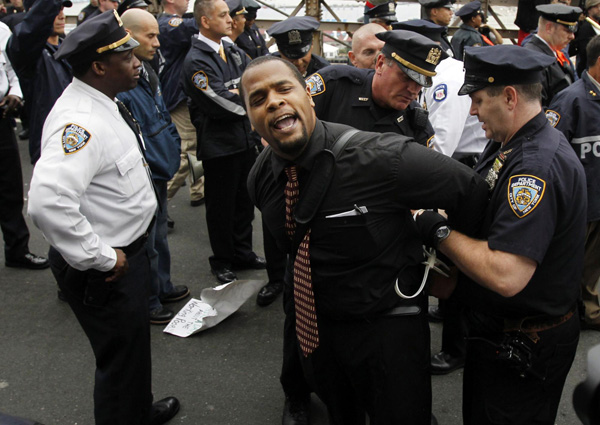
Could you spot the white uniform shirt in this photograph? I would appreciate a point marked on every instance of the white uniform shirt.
(456, 131)
(9, 83)
(90, 190)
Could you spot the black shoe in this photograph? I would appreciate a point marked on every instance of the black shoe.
(434, 314)
(24, 134)
(29, 261)
(179, 292)
(224, 275)
(443, 363)
(197, 202)
(170, 222)
(434, 420)
(269, 293)
(296, 411)
(161, 316)
(257, 263)
(61, 296)
(164, 410)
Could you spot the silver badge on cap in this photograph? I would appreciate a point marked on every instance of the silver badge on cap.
(294, 37)
(434, 56)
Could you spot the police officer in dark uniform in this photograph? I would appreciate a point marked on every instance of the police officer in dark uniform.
(556, 29)
(226, 142)
(383, 14)
(294, 37)
(251, 41)
(87, 11)
(43, 78)
(574, 111)
(440, 13)
(521, 274)
(361, 239)
(468, 34)
(384, 99)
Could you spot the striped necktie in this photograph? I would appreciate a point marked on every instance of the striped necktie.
(304, 298)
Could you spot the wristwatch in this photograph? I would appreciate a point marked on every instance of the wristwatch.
(441, 234)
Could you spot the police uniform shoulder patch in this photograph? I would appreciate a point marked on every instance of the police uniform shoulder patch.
(553, 117)
(200, 80)
(74, 138)
(477, 45)
(81, 16)
(440, 92)
(316, 84)
(525, 192)
(175, 22)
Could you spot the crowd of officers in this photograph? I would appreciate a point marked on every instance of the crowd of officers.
(482, 152)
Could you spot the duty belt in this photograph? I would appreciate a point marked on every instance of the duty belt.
(534, 324)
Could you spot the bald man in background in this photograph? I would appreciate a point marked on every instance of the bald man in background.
(365, 46)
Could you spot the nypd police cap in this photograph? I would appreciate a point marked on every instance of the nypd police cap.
(235, 7)
(423, 27)
(294, 35)
(132, 4)
(415, 54)
(561, 14)
(100, 34)
(502, 65)
(430, 4)
(469, 9)
(386, 11)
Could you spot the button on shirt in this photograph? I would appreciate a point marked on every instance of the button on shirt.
(99, 195)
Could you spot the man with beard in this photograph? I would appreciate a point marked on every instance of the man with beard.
(346, 251)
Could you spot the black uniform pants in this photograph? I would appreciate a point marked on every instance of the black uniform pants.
(12, 223)
(495, 393)
(116, 320)
(229, 210)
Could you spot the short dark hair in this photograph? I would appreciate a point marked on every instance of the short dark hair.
(593, 51)
(264, 59)
(530, 92)
(80, 66)
(203, 8)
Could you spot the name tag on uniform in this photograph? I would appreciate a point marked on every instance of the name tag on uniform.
(356, 211)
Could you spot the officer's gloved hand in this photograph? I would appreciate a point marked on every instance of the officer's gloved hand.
(428, 222)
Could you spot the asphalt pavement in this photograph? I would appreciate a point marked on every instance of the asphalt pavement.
(226, 375)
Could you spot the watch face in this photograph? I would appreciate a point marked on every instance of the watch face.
(442, 233)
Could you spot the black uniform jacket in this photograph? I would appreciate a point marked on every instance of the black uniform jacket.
(342, 94)
(575, 111)
(222, 126)
(363, 235)
(251, 42)
(556, 77)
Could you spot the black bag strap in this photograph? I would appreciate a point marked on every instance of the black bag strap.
(315, 189)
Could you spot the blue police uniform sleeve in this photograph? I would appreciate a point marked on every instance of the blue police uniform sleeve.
(527, 210)
(177, 30)
(29, 38)
(563, 114)
(206, 87)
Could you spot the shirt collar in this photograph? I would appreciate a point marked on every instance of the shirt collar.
(593, 81)
(528, 130)
(315, 145)
(97, 95)
(211, 44)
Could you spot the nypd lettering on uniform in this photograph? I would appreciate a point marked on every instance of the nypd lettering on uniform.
(588, 146)
(525, 193)
(74, 138)
(316, 84)
(440, 92)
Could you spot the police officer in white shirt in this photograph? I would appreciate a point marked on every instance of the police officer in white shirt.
(92, 197)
